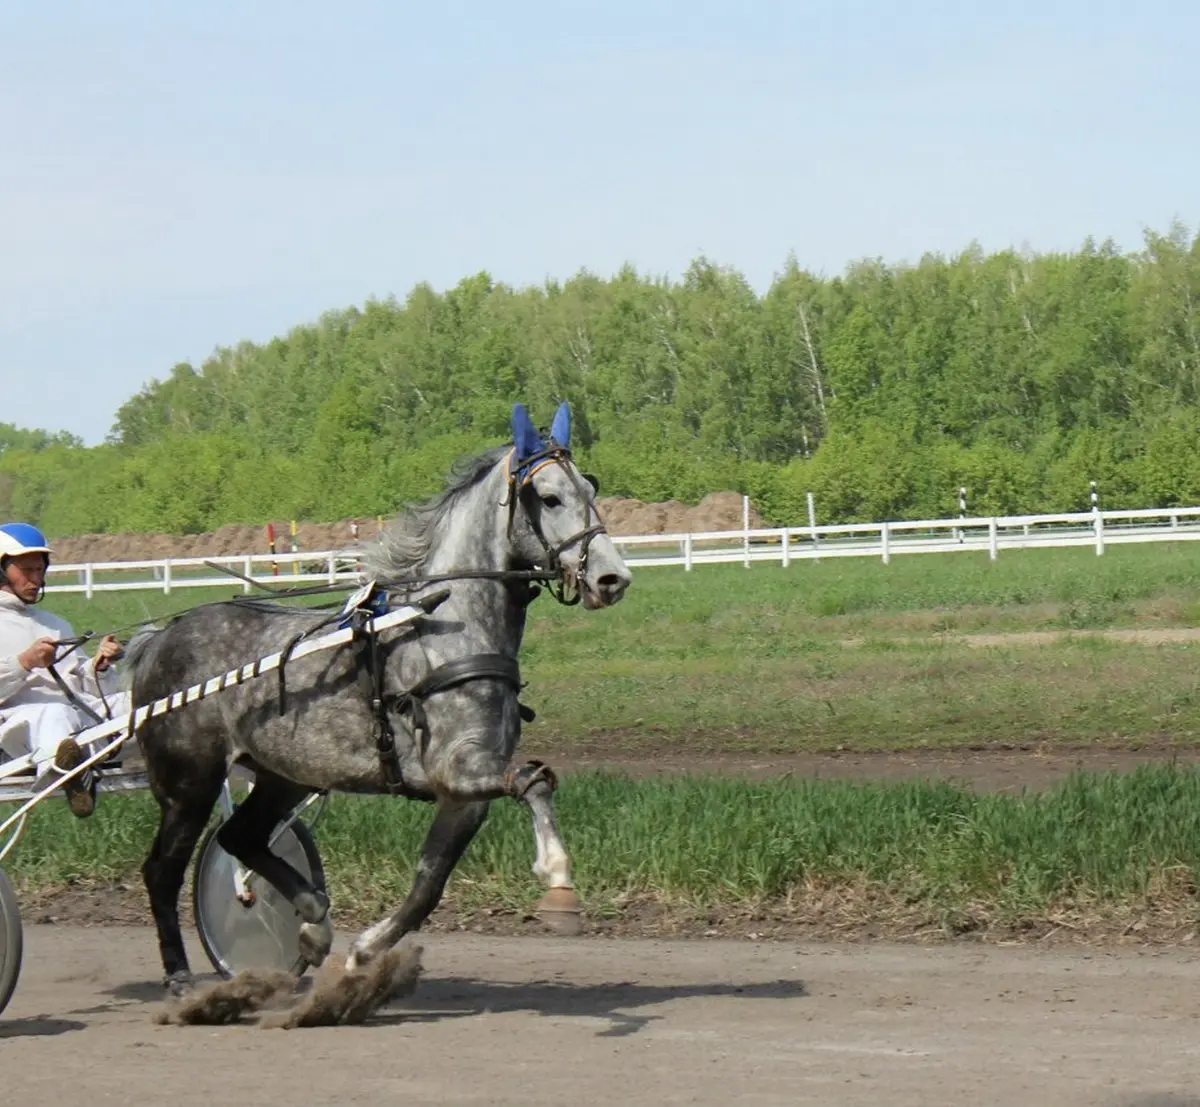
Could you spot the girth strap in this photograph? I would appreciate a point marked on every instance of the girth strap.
(480, 666)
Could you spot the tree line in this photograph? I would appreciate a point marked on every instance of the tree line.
(1021, 376)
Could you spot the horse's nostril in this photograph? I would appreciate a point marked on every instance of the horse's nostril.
(610, 582)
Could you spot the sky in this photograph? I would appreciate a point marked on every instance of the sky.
(178, 178)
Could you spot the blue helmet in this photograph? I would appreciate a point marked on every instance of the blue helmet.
(22, 538)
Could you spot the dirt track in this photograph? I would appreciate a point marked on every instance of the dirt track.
(540, 1020)
(984, 770)
(989, 770)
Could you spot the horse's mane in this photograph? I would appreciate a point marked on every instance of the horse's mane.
(404, 543)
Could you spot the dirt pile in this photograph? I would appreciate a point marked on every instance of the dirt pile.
(717, 511)
(234, 538)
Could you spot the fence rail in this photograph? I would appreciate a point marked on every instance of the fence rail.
(747, 545)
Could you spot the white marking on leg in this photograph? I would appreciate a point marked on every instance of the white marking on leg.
(360, 950)
(552, 865)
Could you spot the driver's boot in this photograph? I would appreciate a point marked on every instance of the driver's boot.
(81, 790)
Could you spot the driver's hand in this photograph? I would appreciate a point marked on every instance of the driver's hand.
(108, 649)
(37, 656)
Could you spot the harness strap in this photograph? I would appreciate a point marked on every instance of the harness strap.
(370, 680)
(284, 655)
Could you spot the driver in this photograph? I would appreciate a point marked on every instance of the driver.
(37, 716)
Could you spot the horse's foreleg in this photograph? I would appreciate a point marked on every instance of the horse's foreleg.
(533, 785)
(454, 825)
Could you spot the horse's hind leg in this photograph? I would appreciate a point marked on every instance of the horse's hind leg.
(533, 784)
(454, 825)
(183, 816)
(246, 834)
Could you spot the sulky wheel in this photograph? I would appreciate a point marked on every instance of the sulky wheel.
(263, 933)
(11, 941)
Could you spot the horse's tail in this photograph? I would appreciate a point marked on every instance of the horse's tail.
(137, 650)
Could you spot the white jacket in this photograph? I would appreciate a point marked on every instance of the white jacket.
(21, 625)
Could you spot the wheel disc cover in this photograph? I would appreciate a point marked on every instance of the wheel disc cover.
(261, 935)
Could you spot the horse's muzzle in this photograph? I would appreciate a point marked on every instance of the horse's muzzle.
(608, 590)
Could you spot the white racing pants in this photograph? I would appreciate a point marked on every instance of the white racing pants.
(38, 728)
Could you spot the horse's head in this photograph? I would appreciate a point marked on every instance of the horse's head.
(553, 520)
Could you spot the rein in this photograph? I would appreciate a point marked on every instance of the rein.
(72, 645)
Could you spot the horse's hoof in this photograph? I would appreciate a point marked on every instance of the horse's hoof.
(561, 911)
(179, 983)
(316, 940)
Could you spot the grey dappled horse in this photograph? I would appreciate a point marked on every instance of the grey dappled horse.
(446, 721)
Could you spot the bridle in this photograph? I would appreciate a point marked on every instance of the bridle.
(520, 488)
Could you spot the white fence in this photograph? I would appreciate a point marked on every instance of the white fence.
(776, 544)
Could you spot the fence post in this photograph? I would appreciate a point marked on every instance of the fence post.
(248, 570)
(746, 531)
(1099, 534)
(687, 552)
(89, 580)
(885, 534)
(812, 523)
(784, 549)
(993, 539)
(167, 577)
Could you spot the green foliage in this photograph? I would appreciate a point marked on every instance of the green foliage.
(882, 390)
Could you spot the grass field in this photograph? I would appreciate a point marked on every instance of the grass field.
(851, 654)
(1096, 852)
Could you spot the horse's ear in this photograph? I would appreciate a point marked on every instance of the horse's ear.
(594, 481)
(525, 436)
(560, 429)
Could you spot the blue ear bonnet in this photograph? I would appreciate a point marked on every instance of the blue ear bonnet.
(528, 446)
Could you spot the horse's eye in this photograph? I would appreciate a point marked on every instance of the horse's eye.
(551, 501)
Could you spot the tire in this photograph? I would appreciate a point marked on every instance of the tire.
(263, 934)
(11, 941)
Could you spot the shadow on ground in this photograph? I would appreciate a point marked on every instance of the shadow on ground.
(38, 1026)
(620, 1005)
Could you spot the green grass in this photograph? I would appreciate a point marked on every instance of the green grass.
(767, 611)
(1092, 842)
(728, 658)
